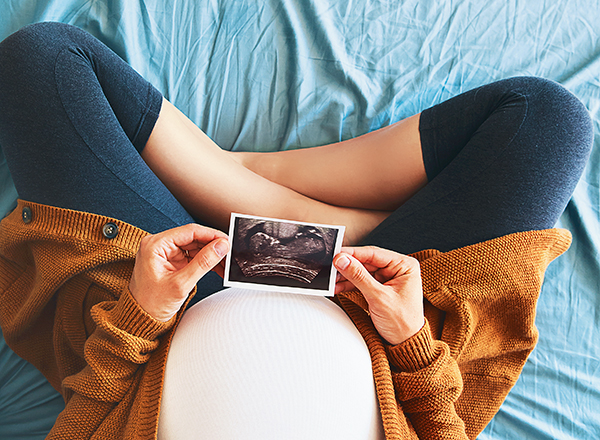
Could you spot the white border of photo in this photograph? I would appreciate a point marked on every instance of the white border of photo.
(229, 282)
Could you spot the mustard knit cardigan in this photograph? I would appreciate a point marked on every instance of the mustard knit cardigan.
(65, 307)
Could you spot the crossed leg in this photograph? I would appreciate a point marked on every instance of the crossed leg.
(379, 170)
(211, 182)
(498, 159)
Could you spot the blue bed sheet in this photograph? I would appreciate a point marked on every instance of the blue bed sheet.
(281, 74)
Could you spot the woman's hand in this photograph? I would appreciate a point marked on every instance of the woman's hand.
(169, 264)
(391, 284)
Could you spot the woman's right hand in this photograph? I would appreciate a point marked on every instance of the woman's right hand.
(169, 264)
(391, 284)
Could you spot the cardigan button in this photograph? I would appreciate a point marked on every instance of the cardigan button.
(27, 215)
(110, 230)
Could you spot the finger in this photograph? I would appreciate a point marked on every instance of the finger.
(356, 273)
(351, 250)
(373, 257)
(374, 271)
(344, 284)
(204, 261)
(187, 237)
(385, 264)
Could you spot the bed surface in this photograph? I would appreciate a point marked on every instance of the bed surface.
(272, 75)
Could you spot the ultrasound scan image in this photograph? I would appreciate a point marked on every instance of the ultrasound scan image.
(269, 250)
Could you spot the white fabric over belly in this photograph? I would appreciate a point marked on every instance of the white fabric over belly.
(263, 365)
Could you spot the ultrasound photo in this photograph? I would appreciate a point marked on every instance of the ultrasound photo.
(281, 255)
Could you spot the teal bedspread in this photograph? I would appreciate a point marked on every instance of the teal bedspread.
(271, 75)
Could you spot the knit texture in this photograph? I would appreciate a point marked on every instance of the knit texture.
(66, 308)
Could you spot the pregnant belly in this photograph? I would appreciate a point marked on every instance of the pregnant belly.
(263, 365)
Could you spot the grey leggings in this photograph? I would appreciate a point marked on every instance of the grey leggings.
(73, 118)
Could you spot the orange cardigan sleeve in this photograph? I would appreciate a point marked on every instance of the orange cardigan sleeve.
(100, 395)
(427, 383)
(418, 382)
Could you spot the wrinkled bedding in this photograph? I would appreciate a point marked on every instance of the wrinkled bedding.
(282, 74)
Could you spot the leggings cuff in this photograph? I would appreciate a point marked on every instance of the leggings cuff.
(148, 119)
(428, 143)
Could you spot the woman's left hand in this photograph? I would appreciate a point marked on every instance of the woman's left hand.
(391, 284)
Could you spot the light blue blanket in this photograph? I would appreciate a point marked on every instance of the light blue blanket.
(269, 75)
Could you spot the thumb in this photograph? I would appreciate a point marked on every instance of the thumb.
(354, 271)
(205, 260)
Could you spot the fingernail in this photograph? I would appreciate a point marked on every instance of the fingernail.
(221, 247)
(342, 262)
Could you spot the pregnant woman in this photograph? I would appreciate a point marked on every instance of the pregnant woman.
(105, 250)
